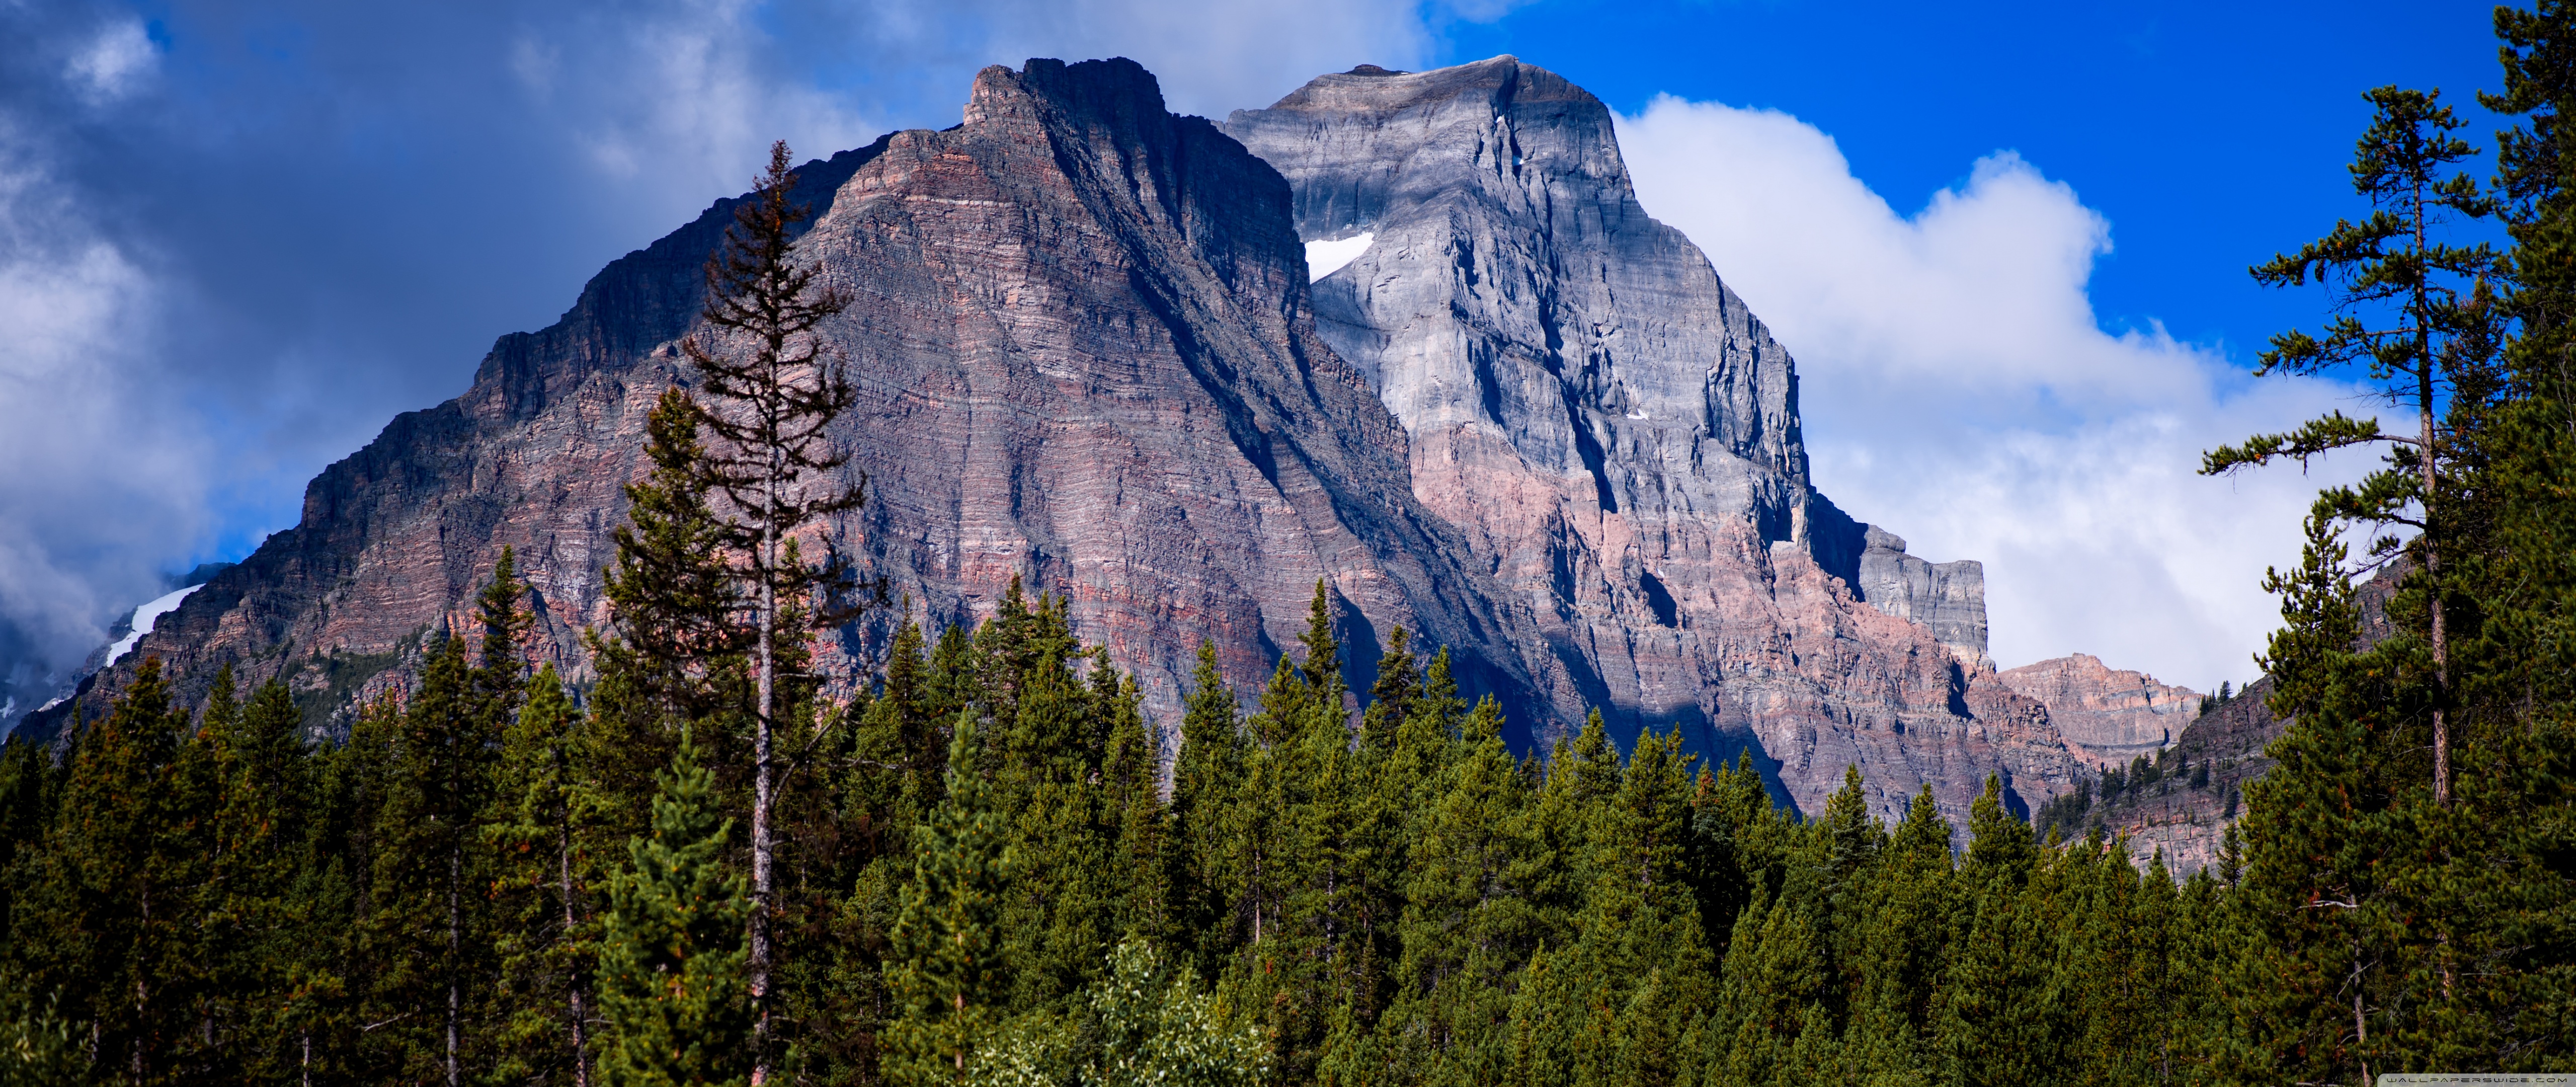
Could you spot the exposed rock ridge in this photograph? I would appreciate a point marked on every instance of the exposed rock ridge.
(1617, 436)
(1947, 597)
(1081, 332)
(2108, 715)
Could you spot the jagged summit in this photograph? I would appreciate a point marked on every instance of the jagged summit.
(1618, 435)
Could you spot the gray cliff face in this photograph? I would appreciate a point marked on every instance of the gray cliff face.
(1948, 597)
(1617, 437)
(1516, 293)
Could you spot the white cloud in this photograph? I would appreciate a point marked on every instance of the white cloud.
(105, 470)
(680, 99)
(535, 64)
(115, 63)
(1957, 389)
(683, 97)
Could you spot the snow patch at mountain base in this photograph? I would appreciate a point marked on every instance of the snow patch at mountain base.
(1326, 258)
(144, 617)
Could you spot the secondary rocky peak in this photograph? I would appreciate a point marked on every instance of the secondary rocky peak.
(1617, 437)
(1948, 597)
(1514, 291)
(1116, 86)
(2110, 715)
(1117, 94)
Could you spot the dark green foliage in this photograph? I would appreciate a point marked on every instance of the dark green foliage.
(671, 954)
(673, 600)
(429, 860)
(108, 919)
(545, 827)
(947, 966)
(990, 876)
(2402, 901)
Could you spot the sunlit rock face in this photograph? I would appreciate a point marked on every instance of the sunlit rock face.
(1617, 437)
(2108, 715)
(1949, 598)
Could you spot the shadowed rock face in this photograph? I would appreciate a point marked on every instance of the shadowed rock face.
(1616, 436)
(1529, 423)
(2216, 754)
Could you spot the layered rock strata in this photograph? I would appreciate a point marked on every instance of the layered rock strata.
(2184, 814)
(1949, 598)
(2108, 715)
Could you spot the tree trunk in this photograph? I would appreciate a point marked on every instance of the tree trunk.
(760, 798)
(142, 994)
(453, 877)
(2440, 639)
(2425, 364)
(580, 1039)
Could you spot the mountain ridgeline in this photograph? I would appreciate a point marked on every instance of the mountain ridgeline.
(1529, 424)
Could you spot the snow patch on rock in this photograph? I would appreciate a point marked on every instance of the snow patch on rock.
(1326, 258)
(144, 617)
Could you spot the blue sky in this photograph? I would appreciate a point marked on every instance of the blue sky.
(236, 238)
(2210, 134)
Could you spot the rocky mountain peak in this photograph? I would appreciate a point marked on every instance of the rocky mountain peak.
(1617, 436)
(1948, 598)
(1524, 421)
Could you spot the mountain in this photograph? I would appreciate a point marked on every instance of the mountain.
(1081, 336)
(1523, 420)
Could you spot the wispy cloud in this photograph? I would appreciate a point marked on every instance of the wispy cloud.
(1958, 389)
(115, 63)
(105, 470)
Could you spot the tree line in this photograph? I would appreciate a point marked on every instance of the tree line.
(983, 880)
(986, 867)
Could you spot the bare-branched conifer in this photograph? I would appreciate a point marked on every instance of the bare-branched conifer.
(769, 389)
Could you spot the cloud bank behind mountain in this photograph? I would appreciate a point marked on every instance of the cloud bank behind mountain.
(1957, 389)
